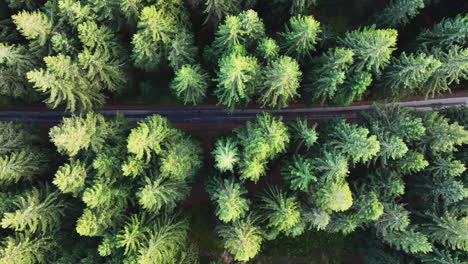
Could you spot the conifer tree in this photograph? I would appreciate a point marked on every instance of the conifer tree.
(332, 166)
(299, 172)
(268, 49)
(162, 193)
(33, 25)
(300, 36)
(190, 84)
(38, 210)
(334, 197)
(65, 83)
(328, 74)
(368, 207)
(15, 62)
(453, 70)
(445, 34)
(71, 177)
(181, 159)
(354, 142)
(237, 80)
(407, 74)
(372, 47)
(302, 135)
(216, 10)
(131, 9)
(21, 248)
(14, 136)
(398, 13)
(409, 241)
(394, 218)
(22, 165)
(280, 82)
(182, 50)
(226, 154)
(80, 133)
(241, 238)
(353, 88)
(280, 210)
(448, 231)
(229, 196)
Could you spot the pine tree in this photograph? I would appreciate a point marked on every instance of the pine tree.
(164, 241)
(162, 193)
(71, 177)
(216, 10)
(182, 159)
(280, 211)
(65, 83)
(448, 231)
(299, 172)
(33, 25)
(15, 62)
(354, 142)
(328, 74)
(21, 248)
(38, 210)
(148, 137)
(372, 47)
(280, 82)
(131, 9)
(332, 166)
(409, 241)
(182, 51)
(237, 80)
(394, 218)
(229, 196)
(22, 165)
(453, 70)
(300, 36)
(241, 238)
(445, 34)
(190, 84)
(226, 154)
(268, 49)
(334, 196)
(132, 235)
(303, 135)
(80, 133)
(407, 74)
(353, 88)
(398, 13)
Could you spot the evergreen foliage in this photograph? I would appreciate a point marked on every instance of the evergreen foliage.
(190, 84)
(398, 13)
(300, 36)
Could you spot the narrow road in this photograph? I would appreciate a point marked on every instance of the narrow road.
(221, 116)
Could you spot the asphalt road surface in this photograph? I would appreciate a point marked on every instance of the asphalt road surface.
(221, 116)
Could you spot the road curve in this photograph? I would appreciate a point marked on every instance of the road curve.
(222, 116)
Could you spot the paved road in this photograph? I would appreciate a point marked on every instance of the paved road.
(221, 116)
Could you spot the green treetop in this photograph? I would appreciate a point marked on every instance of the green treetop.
(445, 33)
(328, 74)
(190, 84)
(226, 154)
(71, 177)
(334, 197)
(162, 193)
(216, 10)
(229, 196)
(33, 25)
(280, 82)
(398, 13)
(372, 47)
(298, 171)
(407, 74)
(300, 36)
(182, 50)
(242, 238)
(237, 79)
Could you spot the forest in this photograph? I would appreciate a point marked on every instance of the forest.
(389, 186)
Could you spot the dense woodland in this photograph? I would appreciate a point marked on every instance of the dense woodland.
(105, 191)
(75, 54)
(388, 187)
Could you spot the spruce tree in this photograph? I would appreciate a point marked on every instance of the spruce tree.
(302, 135)
(268, 49)
(300, 37)
(190, 84)
(22, 248)
(334, 196)
(353, 88)
(237, 80)
(33, 25)
(328, 74)
(448, 231)
(398, 13)
(181, 159)
(182, 51)
(299, 172)
(445, 34)
(407, 74)
(71, 177)
(226, 154)
(372, 47)
(280, 82)
(229, 197)
(162, 193)
(22, 165)
(216, 10)
(242, 238)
